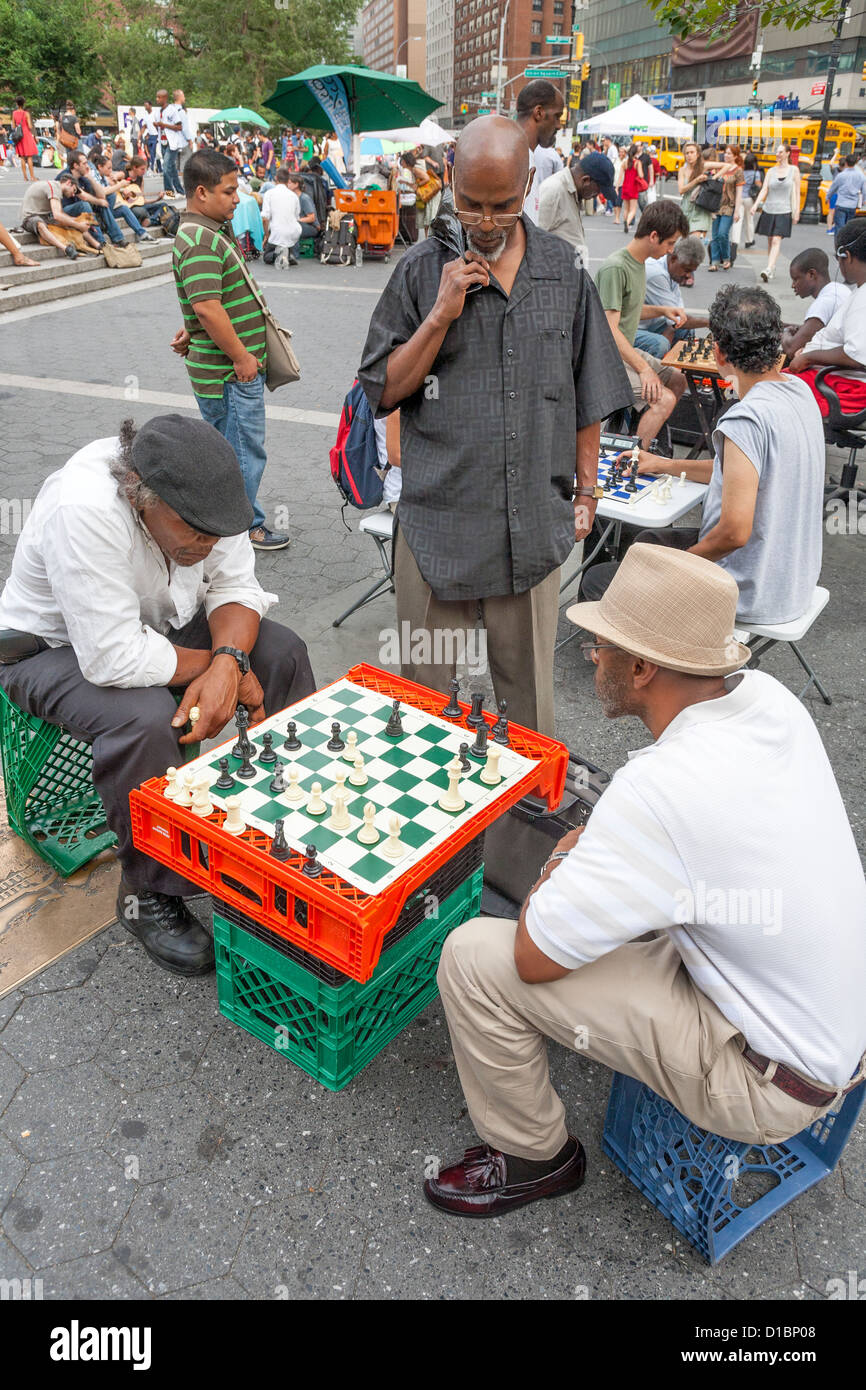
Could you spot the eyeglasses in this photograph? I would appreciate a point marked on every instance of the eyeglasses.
(588, 648)
(498, 219)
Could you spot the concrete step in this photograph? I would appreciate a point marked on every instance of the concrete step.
(37, 252)
(57, 267)
(94, 275)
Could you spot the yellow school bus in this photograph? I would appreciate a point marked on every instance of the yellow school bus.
(670, 151)
(763, 134)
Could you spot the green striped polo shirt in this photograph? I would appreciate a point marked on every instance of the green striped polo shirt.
(207, 265)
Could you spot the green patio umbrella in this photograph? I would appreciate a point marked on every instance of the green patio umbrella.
(242, 114)
(358, 98)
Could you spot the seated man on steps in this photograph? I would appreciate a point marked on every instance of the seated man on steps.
(705, 933)
(135, 571)
(43, 209)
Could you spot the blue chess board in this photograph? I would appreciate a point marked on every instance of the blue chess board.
(619, 494)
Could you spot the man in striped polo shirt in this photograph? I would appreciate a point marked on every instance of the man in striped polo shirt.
(223, 337)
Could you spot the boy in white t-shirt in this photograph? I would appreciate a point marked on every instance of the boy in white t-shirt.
(810, 279)
(281, 211)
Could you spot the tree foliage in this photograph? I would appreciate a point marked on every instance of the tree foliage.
(48, 53)
(716, 16)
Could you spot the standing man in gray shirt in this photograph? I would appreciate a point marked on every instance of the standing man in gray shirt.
(495, 347)
(763, 511)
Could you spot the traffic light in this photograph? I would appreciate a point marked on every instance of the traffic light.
(586, 69)
(464, 107)
(578, 47)
(755, 89)
(863, 74)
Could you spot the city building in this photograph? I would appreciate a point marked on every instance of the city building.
(393, 37)
(440, 56)
(529, 23)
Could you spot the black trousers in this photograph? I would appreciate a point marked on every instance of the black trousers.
(130, 730)
(594, 582)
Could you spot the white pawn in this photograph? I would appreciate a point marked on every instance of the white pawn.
(358, 777)
(339, 788)
(294, 792)
(184, 788)
(490, 774)
(682, 481)
(452, 800)
(171, 786)
(350, 752)
(393, 847)
(368, 834)
(234, 822)
(339, 818)
(317, 805)
(201, 800)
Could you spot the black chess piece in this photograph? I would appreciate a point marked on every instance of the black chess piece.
(292, 743)
(475, 717)
(278, 782)
(335, 743)
(242, 720)
(499, 732)
(279, 845)
(479, 747)
(312, 868)
(246, 769)
(464, 761)
(267, 755)
(394, 727)
(631, 485)
(452, 710)
(225, 781)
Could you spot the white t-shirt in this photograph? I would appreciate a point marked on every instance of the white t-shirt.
(729, 832)
(147, 123)
(828, 300)
(545, 162)
(282, 208)
(176, 138)
(846, 329)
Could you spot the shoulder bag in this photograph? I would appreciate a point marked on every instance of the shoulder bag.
(709, 195)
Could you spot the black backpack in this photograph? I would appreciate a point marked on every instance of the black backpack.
(339, 240)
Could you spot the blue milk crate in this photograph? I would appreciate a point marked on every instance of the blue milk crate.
(682, 1169)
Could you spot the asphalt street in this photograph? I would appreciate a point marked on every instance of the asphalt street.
(252, 1177)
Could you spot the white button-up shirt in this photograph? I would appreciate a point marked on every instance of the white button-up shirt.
(87, 574)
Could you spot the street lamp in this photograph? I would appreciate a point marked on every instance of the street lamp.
(499, 66)
(413, 38)
(811, 213)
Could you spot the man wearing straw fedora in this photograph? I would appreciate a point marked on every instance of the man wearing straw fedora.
(704, 934)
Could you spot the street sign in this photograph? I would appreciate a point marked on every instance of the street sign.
(484, 111)
(557, 38)
(818, 89)
(574, 96)
(545, 72)
(488, 96)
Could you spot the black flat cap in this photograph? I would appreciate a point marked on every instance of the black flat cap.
(195, 470)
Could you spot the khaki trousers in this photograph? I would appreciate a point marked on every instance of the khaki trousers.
(636, 1009)
(520, 628)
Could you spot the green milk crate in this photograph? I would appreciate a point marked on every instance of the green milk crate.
(333, 1031)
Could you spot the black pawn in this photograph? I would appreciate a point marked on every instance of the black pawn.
(278, 781)
(475, 717)
(246, 769)
(267, 754)
(394, 727)
(312, 868)
(464, 761)
(452, 710)
(292, 743)
(479, 747)
(499, 732)
(279, 846)
(335, 743)
(225, 781)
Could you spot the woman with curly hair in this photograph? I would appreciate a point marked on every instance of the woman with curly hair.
(763, 508)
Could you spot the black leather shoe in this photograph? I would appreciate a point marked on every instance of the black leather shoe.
(479, 1185)
(167, 930)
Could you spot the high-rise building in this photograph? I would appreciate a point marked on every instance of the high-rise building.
(440, 57)
(529, 23)
(394, 37)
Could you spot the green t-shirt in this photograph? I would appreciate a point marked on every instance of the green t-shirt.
(206, 266)
(621, 284)
(308, 148)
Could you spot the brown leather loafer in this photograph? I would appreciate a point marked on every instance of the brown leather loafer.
(478, 1186)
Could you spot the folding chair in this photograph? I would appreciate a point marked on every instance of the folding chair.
(380, 526)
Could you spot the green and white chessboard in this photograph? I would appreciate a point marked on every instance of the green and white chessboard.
(405, 775)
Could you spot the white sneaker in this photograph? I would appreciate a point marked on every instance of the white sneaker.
(767, 275)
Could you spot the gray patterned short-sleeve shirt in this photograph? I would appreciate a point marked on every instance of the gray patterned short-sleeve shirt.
(488, 444)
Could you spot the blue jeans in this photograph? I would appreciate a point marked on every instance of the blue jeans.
(654, 343)
(239, 415)
(843, 215)
(720, 244)
(170, 176)
(75, 210)
(151, 143)
(128, 216)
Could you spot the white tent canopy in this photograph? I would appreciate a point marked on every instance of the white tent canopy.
(636, 117)
(427, 133)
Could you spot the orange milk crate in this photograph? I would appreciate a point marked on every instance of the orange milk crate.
(375, 213)
(328, 917)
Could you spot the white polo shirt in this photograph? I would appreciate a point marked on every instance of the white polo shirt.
(86, 573)
(729, 832)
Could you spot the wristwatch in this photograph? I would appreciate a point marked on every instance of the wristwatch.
(240, 657)
(596, 492)
(553, 858)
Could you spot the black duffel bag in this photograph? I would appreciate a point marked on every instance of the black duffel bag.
(709, 195)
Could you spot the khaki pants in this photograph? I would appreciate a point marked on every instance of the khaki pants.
(520, 628)
(636, 1009)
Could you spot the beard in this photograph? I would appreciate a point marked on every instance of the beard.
(492, 256)
(612, 689)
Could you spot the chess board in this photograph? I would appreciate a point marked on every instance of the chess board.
(620, 494)
(406, 776)
(697, 356)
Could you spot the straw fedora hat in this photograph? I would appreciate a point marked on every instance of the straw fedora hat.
(676, 609)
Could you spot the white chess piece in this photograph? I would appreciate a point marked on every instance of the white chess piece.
(317, 805)
(294, 792)
(234, 822)
(339, 818)
(635, 454)
(490, 774)
(339, 788)
(393, 847)
(201, 799)
(358, 777)
(171, 786)
(682, 481)
(368, 834)
(184, 788)
(452, 800)
(350, 752)
(194, 716)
